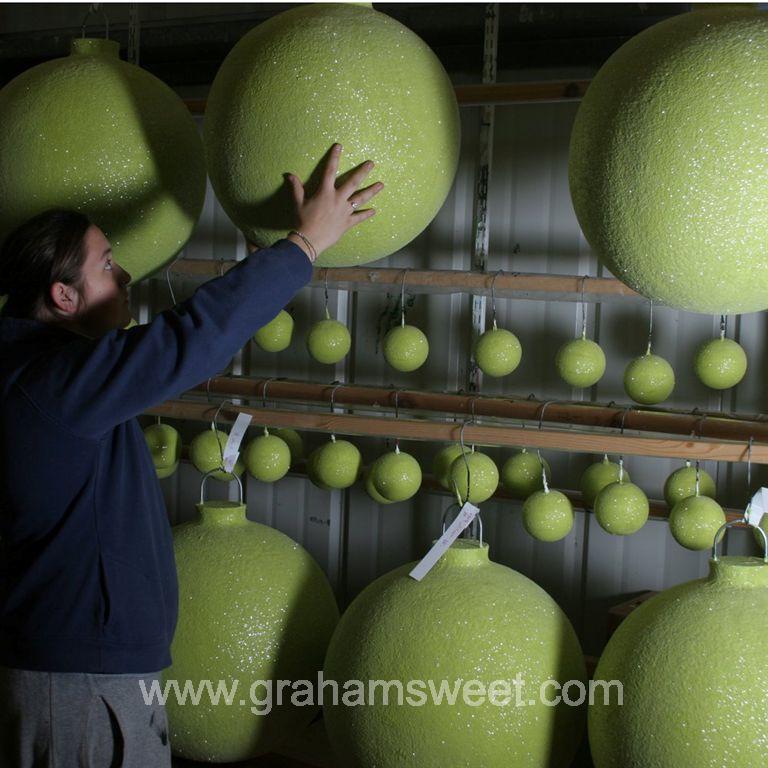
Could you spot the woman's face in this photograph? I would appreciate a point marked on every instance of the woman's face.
(104, 304)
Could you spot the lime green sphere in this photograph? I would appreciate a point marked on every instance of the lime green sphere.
(468, 620)
(95, 134)
(337, 464)
(682, 483)
(721, 363)
(498, 352)
(668, 170)
(276, 335)
(441, 464)
(483, 477)
(684, 659)
(621, 508)
(206, 452)
(396, 476)
(329, 341)
(694, 522)
(312, 473)
(595, 477)
(406, 348)
(548, 515)
(370, 488)
(521, 474)
(649, 379)
(294, 441)
(164, 443)
(254, 606)
(580, 362)
(267, 458)
(325, 73)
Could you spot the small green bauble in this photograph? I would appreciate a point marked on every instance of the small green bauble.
(267, 458)
(312, 474)
(595, 477)
(721, 363)
(548, 515)
(682, 483)
(441, 464)
(276, 335)
(406, 348)
(498, 352)
(621, 508)
(580, 363)
(337, 464)
(396, 476)
(206, 452)
(483, 477)
(294, 441)
(649, 379)
(521, 474)
(694, 522)
(329, 341)
(370, 488)
(164, 444)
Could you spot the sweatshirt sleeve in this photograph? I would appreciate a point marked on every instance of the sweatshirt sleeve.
(92, 385)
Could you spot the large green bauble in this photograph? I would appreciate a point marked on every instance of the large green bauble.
(326, 73)
(685, 659)
(253, 606)
(96, 134)
(668, 169)
(469, 619)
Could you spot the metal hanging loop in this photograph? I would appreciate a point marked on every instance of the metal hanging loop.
(93, 9)
(739, 523)
(493, 299)
(650, 327)
(205, 479)
(402, 298)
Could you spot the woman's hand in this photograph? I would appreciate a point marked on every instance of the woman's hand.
(325, 216)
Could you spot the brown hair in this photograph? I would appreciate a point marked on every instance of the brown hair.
(46, 249)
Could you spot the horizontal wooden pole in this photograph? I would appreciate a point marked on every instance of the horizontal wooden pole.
(512, 285)
(715, 426)
(495, 93)
(409, 429)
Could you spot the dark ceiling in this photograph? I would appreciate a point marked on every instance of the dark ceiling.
(188, 51)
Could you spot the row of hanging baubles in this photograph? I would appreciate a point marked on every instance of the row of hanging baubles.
(621, 507)
(649, 379)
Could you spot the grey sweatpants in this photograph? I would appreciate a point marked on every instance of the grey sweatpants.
(79, 720)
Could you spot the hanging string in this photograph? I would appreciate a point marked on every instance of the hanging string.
(698, 477)
(543, 472)
(325, 281)
(583, 310)
(333, 405)
(402, 299)
(493, 300)
(723, 326)
(650, 328)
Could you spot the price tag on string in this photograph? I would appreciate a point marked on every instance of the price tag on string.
(758, 507)
(232, 448)
(465, 517)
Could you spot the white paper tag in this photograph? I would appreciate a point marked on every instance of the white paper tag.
(232, 448)
(463, 519)
(758, 507)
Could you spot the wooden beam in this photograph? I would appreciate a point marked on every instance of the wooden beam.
(511, 285)
(410, 429)
(492, 93)
(635, 418)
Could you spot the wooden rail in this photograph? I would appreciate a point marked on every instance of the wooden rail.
(701, 425)
(501, 436)
(511, 285)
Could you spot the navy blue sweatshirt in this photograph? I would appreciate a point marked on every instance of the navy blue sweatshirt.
(87, 572)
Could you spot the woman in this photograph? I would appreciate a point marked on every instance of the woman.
(88, 592)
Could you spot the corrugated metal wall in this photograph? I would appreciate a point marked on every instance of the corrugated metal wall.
(533, 229)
